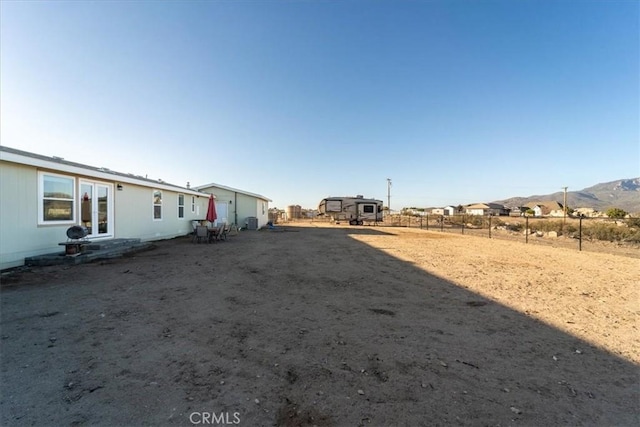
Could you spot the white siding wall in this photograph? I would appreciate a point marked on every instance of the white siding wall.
(134, 213)
(478, 211)
(262, 212)
(21, 236)
(246, 208)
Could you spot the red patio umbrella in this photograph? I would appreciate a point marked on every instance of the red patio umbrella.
(211, 210)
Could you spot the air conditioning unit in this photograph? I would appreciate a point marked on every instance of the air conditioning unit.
(252, 223)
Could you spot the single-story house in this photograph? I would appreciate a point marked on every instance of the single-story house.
(41, 197)
(516, 211)
(486, 209)
(588, 212)
(445, 211)
(235, 206)
(413, 211)
(450, 210)
(549, 208)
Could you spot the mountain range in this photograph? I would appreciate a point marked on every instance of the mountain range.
(623, 194)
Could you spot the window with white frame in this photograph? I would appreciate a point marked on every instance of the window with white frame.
(180, 205)
(56, 198)
(157, 204)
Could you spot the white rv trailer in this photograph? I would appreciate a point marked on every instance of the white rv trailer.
(356, 210)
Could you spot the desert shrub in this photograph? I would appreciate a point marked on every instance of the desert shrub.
(515, 226)
(456, 219)
(475, 220)
(616, 213)
(633, 236)
(633, 222)
(497, 222)
(606, 231)
(546, 226)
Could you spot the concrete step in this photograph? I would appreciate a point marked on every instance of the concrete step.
(110, 244)
(92, 251)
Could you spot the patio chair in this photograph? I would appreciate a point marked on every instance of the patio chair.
(202, 234)
(226, 228)
(194, 233)
(216, 233)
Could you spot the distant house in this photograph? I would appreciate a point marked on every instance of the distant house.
(445, 211)
(449, 210)
(43, 196)
(486, 209)
(414, 211)
(548, 208)
(587, 212)
(517, 211)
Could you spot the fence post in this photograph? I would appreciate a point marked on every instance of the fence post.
(580, 235)
(526, 229)
(463, 218)
(427, 222)
(441, 222)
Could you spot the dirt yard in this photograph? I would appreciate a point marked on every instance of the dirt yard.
(328, 326)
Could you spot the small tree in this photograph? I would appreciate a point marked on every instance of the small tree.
(616, 213)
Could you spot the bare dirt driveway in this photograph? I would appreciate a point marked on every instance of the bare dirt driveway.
(329, 326)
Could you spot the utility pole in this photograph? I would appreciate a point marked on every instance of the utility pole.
(564, 207)
(388, 196)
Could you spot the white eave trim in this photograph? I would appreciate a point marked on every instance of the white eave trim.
(235, 190)
(77, 170)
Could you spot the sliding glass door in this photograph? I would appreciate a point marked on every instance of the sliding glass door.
(96, 208)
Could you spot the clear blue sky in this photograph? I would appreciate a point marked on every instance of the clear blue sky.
(456, 101)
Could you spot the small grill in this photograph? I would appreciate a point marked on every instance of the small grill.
(76, 232)
(76, 241)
